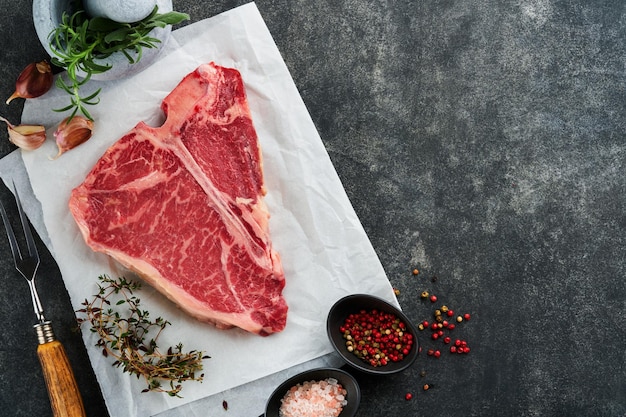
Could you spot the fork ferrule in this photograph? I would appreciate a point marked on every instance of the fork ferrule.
(45, 334)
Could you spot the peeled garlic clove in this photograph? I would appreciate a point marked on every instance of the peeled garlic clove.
(72, 131)
(27, 137)
(34, 81)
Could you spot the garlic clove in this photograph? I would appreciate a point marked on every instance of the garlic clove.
(35, 80)
(27, 137)
(71, 132)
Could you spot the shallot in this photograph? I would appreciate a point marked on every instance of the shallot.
(34, 81)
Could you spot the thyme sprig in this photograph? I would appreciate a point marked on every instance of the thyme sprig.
(125, 338)
(79, 42)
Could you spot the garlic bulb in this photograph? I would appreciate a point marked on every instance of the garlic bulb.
(34, 81)
(27, 137)
(71, 132)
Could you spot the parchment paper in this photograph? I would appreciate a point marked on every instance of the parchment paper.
(325, 251)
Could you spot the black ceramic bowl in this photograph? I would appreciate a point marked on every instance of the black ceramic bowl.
(346, 380)
(353, 304)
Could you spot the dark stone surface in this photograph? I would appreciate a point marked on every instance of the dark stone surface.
(479, 141)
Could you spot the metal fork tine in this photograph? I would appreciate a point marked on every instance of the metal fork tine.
(30, 242)
(62, 387)
(26, 265)
(15, 249)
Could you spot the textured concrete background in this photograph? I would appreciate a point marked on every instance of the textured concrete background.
(480, 141)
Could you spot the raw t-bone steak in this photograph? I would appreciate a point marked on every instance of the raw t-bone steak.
(182, 205)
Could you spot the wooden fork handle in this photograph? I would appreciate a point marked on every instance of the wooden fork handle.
(64, 394)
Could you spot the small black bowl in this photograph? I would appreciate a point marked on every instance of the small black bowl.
(353, 304)
(346, 380)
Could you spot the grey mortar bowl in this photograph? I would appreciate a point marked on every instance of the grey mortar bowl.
(47, 15)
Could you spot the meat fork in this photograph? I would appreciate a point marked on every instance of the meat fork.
(65, 397)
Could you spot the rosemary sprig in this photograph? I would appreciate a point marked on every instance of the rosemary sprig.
(79, 41)
(125, 338)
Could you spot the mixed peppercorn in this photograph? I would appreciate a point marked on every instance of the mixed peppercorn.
(440, 325)
(444, 320)
(377, 337)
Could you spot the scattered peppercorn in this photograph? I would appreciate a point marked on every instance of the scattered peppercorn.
(408, 396)
(396, 291)
(416, 271)
(444, 320)
(434, 278)
(225, 405)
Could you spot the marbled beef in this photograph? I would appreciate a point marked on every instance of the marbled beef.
(182, 205)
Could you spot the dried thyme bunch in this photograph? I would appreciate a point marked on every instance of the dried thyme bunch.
(125, 337)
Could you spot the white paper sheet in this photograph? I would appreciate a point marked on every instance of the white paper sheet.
(325, 251)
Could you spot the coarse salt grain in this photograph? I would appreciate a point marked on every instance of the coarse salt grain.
(324, 398)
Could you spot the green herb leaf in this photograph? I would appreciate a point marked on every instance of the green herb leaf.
(80, 44)
(102, 24)
(117, 35)
(172, 18)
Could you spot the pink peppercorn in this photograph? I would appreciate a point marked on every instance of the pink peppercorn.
(376, 337)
